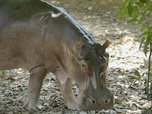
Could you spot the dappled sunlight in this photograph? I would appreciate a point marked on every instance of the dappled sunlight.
(126, 55)
(125, 58)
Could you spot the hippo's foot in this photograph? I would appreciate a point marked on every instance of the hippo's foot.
(73, 107)
(31, 103)
(72, 104)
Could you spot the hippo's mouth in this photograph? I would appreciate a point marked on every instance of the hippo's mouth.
(89, 107)
(86, 104)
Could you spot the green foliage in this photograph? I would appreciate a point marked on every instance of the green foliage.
(137, 11)
(2, 73)
(151, 72)
(138, 74)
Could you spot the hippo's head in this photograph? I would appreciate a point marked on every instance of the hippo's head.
(91, 63)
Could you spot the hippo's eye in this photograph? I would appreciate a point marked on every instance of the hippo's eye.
(84, 66)
(106, 55)
(103, 69)
(104, 73)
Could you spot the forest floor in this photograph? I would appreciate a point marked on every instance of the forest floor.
(99, 18)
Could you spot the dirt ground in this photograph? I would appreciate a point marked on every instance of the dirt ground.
(99, 18)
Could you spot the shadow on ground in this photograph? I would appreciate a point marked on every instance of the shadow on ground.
(99, 18)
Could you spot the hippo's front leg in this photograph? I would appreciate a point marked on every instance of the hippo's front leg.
(35, 83)
(67, 94)
(65, 85)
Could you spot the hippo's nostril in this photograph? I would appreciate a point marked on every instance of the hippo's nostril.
(93, 101)
(107, 101)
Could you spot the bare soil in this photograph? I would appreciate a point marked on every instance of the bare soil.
(99, 18)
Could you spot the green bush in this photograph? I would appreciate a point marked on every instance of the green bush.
(2, 73)
(138, 11)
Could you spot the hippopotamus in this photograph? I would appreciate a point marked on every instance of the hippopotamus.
(41, 37)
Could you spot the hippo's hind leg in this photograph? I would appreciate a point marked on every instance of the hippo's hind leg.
(35, 83)
(65, 85)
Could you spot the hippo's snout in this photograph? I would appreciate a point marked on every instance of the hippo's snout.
(96, 102)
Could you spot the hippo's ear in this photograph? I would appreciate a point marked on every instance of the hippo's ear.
(106, 44)
(84, 66)
(77, 46)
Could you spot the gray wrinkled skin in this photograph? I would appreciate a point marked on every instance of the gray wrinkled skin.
(40, 37)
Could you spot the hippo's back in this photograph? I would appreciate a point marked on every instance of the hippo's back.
(12, 11)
